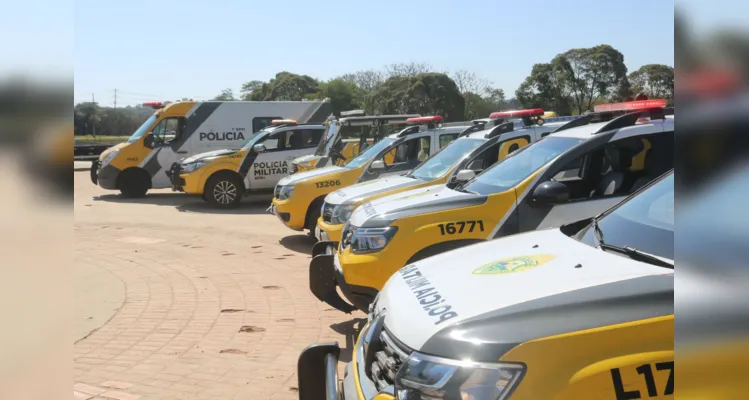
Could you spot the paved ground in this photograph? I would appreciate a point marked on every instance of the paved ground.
(187, 302)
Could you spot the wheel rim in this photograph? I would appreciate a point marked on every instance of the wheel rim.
(225, 192)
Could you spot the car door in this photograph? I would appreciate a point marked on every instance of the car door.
(409, 154)
(583, 172)
(169, 146)
(281, 147)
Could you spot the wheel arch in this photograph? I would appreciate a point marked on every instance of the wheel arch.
(223, 172)
(314, 204)
(441, 247)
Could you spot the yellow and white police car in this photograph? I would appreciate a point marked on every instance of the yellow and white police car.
(222, 177)
(584, 311)
(298, 198)
(580, 170)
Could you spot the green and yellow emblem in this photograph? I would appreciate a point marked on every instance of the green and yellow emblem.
(513, 264)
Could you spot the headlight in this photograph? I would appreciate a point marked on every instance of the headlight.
(284, 192)
(427, 377)
(341, 213)
(192, 166)
(370, 240)
(305, 164)
(108, 159)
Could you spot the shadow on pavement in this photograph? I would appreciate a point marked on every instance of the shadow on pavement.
(245, 208)
(159, 199)
(300, 243)
(350, 329)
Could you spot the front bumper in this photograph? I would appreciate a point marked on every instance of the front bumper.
(325, 276)
(333, 232)
(105, 177)
(283, 210)
(317, 372)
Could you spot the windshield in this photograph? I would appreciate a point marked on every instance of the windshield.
(445, 159)
(256, 137)
(362, 158)
(142, 129)
(328, 136)
(645, 222)
(523, 163)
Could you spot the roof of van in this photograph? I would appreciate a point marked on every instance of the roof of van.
(590, 130)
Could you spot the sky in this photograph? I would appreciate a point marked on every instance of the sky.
(165, 50)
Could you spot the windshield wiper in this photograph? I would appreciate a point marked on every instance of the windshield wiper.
(638, 255)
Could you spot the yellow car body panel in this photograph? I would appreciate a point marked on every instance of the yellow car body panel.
(588, 364)
(307, 190)
(195, 181)
(419, 232)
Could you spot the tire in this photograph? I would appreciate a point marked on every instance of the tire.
(224, 191)
(313, 213)
(134, 183)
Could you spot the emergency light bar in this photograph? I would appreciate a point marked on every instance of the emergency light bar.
(283, 122)
(424, 120)
(631, 105)
(517, 113)
(352, 113)
(154, 104)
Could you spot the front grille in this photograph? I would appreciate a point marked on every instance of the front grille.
(174, 172)
(276, 191)
(327, 211)
(387, 360)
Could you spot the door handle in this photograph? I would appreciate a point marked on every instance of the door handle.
(182, 152)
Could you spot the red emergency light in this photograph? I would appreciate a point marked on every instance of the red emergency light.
(154, 104)
(532, 112)
(283, 122)
(630, 105)
(424, 120)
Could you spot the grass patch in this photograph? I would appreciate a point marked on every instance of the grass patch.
(88, 139)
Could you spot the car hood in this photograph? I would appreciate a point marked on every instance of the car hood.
(300, 176)
(209, 154)
(479, 301)
(428, 199)
(106, 152)
(355, 193)
(307, 158)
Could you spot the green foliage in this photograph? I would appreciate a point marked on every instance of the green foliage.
(344, 95)
(89, 119)
(655, 80)
(225, 95)
(425, 94)
(546, 88)
(286, 86)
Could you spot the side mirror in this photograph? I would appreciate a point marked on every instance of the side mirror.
(377, 165)
(464, 175)
(148, 141)
(551, 192)
(258, 148)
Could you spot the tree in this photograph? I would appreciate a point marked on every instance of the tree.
(469, 82)
(407, 69)
(88, 117)
(287, 86)
(590, 74)
(546, 88)
(248, 88)
(225, 95)
(343, 95)
(426, 94)
(655, 80)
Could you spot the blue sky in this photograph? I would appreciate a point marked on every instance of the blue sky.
(163, 49)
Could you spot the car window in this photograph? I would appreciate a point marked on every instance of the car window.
(445, 159)
(260, 123)
(447, 138)
(166, 130)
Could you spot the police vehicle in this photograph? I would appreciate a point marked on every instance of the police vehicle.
(581, 169)
(298, 198)
(348, 136)
(183, 129)
(584, 311)
(222, 177)
(475, 149)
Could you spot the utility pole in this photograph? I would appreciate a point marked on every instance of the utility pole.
(115, 98)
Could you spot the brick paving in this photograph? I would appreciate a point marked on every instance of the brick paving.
(217, 305)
